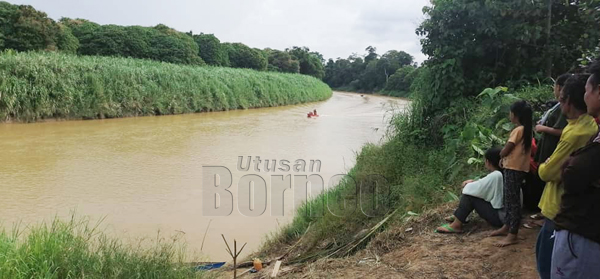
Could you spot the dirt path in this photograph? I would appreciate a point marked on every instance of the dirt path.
(415, 251)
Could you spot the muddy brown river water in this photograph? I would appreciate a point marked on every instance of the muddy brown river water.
(144, 175)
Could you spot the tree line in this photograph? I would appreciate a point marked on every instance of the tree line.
(475, 44)
(23, 28)
(394, 72)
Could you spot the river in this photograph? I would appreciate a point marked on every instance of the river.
(144, 175)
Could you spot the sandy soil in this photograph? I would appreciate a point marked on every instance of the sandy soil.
(413, 250)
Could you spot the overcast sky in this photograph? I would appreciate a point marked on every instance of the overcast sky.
(335, 28)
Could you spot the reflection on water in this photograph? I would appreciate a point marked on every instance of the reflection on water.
(145, 174)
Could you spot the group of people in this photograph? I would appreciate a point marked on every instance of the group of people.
(561, 177)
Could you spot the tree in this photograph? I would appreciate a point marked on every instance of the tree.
(372, 54)
(108, 40)
(211, 50)
(310, 62)
(83, 30)
(370, 74)
(66, 41)
(159, 43)
(23, 28)
(242, 56)
(392, 61)
(138, 43)
(172, 46)
(377, 71)
(402, 80)
(281, 61)
(477, 44)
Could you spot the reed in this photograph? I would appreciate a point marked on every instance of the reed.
(76, 248)
(40, 85)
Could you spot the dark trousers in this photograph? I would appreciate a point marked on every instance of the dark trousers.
(532, 191)
(543, 249)
(512, 198)
(484, 209)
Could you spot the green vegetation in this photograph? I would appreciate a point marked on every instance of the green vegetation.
(281, 61)
(311, 63)
(373, 73)
(242, 56)
(400, 83)
(22, 28)
(159, 43)
(77, 249)
(493, 43)
(458, 110)
(35, 86)
(211, 50)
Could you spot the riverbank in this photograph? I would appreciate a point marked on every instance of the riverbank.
(399, 95)
(411, 249)
(418, 178)
(76, 248)
(38, 86)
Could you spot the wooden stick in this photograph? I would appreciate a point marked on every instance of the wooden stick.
(276, 269)
(235, 259)
(242, 248)
(233, 254)
(228, 249)
(204, 238)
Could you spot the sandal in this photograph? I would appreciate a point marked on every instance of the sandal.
(532, 225)
(448, 229)
(537, 216)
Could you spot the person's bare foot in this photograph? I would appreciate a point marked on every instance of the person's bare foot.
(510, 239)
(500, 232)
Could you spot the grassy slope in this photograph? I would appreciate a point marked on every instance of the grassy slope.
(35, 86)
(74, 249)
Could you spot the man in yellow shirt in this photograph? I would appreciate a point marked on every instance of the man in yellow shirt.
(580, 129)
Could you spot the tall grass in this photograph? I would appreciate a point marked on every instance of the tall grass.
(74, 249)
(35, 86)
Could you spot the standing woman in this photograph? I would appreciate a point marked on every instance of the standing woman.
(577, 240)
(515, 161)
(550, 128)
(576, 135)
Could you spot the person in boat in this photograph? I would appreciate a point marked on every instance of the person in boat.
(310, 114)
(315, 113)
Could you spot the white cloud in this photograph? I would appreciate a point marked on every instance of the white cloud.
(336, 28)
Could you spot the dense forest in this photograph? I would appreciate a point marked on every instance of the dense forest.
(23, 28)
(497, 43)
(392, 72)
